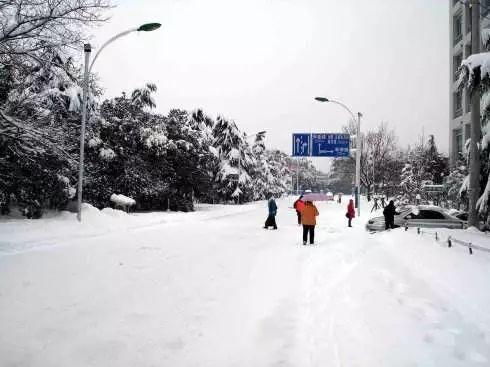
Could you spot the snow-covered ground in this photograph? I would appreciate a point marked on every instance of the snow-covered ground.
(212, 288)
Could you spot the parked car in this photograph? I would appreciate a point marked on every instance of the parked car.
(423, 216)
(329, 196)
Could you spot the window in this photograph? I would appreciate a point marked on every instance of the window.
(456, 64)
(468, 50)
(458, 142)
(468, 101)
(458, 103)
(485, 7)
(467, 131)
(468, 19)
(430, 214)
(457, 28)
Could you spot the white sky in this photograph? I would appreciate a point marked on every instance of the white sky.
(261, 62)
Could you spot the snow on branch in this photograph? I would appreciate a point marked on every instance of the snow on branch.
(474, 69)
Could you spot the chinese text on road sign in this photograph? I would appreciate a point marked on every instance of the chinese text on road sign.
(330, 145)
(321, 145)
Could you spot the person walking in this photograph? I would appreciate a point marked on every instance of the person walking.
(383, 202)
(351, 213)
(299, 205)
(389, 214)
(271, 219)
(308, 219)
(339, 198)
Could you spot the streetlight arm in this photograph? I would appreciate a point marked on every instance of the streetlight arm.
(119, 35)
(345, 107)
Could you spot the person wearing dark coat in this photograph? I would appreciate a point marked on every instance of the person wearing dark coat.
(298, 206)
(271, 219)
(389, 214)
(351, 213)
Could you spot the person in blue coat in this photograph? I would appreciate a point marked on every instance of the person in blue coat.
(271, 219)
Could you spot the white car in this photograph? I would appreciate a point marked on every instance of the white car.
(422, 216)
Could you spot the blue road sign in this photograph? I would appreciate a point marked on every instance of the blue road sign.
(301, 145)
(330, 145)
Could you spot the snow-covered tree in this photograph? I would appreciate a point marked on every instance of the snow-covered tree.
(454, 185)
(40, 99)
(475, 75)
(263, 179)
(236, 160)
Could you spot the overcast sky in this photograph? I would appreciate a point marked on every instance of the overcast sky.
(261, 62)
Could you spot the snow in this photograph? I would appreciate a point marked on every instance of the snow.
(481, 60)
(122, 200)
(485, 36)
(94, 142)
(214, 151)
(107, 154)
(234, 153)
(212, 288)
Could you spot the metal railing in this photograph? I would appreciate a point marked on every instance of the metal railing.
(452, 240)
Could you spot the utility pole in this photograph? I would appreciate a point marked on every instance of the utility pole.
(358, 165)
(474, 184)
(87, 49)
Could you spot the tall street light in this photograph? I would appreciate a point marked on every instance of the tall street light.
(358, 148)
(240, 161)
(148, 27)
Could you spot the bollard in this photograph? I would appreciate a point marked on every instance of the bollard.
(471, 250)
(406, 228)
(437, 238)
(449, 243)
(418, 230)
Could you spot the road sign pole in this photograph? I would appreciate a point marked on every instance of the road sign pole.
(297, 176)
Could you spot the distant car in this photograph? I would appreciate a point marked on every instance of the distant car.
(423, 216)
(329, 196)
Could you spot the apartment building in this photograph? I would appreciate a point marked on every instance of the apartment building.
(460, 48)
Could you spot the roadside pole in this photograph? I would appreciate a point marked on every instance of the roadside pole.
(358, 165)
(297, 176)
(87, 49)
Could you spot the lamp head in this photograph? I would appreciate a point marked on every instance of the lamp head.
(148, 27)
(321, 99)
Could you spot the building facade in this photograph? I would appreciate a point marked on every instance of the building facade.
(460, 48)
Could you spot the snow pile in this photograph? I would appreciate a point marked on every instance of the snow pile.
(122, 200)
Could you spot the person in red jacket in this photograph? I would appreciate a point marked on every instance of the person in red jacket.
(351, 213)
(299, 205)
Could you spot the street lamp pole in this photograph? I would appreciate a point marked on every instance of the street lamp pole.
(358, 165)
(358, 148)
(87, 49)
(148, 27)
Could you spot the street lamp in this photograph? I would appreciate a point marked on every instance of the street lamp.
(87, 48)
(240, 161)
(358, 148)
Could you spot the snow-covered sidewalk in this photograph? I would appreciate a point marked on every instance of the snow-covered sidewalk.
(213, 288)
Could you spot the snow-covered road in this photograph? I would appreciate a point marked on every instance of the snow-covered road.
(213, 288)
